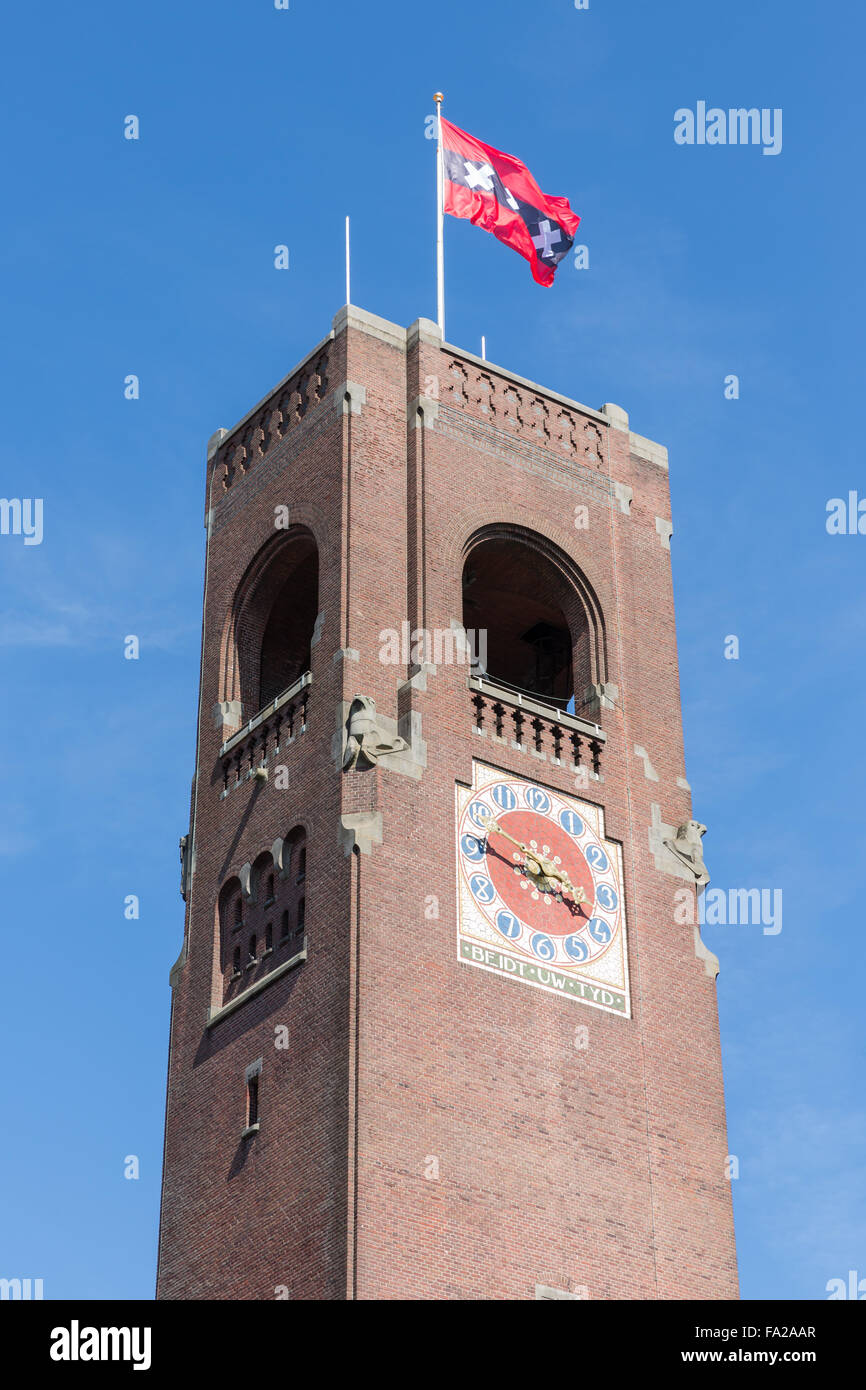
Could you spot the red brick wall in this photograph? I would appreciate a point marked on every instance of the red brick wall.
(600, 1168)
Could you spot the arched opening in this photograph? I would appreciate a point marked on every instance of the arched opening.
(285, 651)
(230, 920)
(295, 873)
(262, 877)
(268, 636)
(528, 620)
(533, 617)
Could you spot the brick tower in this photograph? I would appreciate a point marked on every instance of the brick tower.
(442, 1024)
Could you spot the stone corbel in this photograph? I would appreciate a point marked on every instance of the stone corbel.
(602, 695)
(423, 412)
(176, 970)
(228, 716)
(360, 830)
(703, 952)
(367, 739)
(350, 398)
(665, 530)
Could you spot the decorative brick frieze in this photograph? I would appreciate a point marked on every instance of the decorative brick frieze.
(565, 470)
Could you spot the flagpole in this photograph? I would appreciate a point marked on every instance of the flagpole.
(440, 217)
(348, 293)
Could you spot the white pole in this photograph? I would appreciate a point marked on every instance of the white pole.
(483, 348)
(440, 217)
(348, 293)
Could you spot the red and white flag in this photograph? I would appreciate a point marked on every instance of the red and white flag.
(497, 192)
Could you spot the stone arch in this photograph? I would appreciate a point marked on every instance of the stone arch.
(545, 627)
(269, 629)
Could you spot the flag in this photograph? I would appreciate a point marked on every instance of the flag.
(497, 192)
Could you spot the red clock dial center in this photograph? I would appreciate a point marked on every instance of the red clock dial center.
(506, 866)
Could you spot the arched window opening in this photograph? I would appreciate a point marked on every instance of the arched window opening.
(528, 625)
(252, 951)
(267, 643)
(295, 873)
(269, 936)
(284, 925)
(287, 636)
(263, 877)
(229, 920)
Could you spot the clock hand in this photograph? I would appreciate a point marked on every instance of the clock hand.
(493, 825)
(536, 864)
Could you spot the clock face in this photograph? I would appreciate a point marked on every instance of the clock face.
(537, 880)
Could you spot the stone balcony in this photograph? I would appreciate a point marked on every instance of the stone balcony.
(536, 726)
(266, 737)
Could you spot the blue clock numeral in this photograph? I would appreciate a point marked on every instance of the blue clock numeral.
(479, 814)
(542, 946)
(571, 822)
(504, 797)
(600, 931)
(472, 848)
(538, 800)
(508, 924)
(482, 888)
(607, 897)
(596, 857)
(577, 949)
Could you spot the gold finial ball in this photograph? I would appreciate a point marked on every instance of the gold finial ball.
(437, 96)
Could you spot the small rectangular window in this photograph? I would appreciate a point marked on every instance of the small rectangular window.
(252, 1098)
(252, 1078)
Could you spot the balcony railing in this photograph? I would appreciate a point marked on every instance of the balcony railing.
(532, 724)
(267, 735)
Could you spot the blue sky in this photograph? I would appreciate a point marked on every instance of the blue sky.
(155, 257)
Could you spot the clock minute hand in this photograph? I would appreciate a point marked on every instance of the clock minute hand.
(493, 825)
(546, 869)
